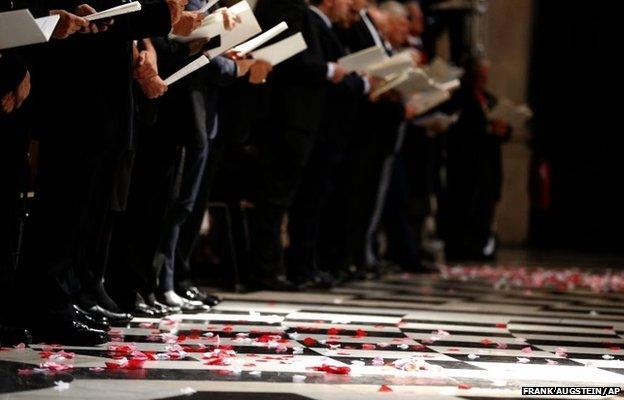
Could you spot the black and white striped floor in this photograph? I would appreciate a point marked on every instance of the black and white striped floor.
(402, 337)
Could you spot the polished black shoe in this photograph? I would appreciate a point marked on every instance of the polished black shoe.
(194, 294)
(11, 336)
(92, 321)
(278, 283)
(114, 318)
(71, 333)
(143, 310)
(160, 308)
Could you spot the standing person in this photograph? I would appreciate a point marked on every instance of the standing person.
(82, 145)
(297, 97)
(474, 166)
(14, 91)
(16, 109)
(320, 175)
(378, 138)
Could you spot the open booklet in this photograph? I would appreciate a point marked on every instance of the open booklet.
(361, 60)
(437, 120)
(397, 64)
(188, 69)
(282, 50)
(515, 115)
(115, 11)
(407, 83)
(212, 27)
(20, 28)
(441, 71)
(259, 40)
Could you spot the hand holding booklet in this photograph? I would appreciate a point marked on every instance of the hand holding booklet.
(362, 60)
(259, 40)
(115, 11)
(407, 83)
(20, 28)
(188, 69)
(282, 50)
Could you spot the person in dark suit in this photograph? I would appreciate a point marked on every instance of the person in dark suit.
(14, 90)
(16, 69)
(321, 177)
(377, 134)
(82, 144)
(474, 166)
(286, 139)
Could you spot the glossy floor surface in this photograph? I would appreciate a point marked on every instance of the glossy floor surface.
(468, 332)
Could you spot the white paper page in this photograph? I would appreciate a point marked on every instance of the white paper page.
(507, 111)
(449, 86)
(114, 11)
(47, 25)
(19, 28)
(392, 66)
(259, 40)
(425, 101)
(438, 119)
(407, 83)
(188, 69)
(441, 71)
(212, 26)
(363, 59)
(282, 50)
(206, 7)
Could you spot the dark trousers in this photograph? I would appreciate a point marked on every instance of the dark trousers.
(13, 147)
(283, 155)
(73, 192)
(180, 209)
(138, 231)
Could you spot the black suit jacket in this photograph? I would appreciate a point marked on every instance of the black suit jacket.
(86, 80)
(342, 98)
(295, 92)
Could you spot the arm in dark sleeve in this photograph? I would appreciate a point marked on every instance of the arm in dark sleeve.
(307, 67)
(172, 55)
(12, 71)
(354, 83)
(221, 71)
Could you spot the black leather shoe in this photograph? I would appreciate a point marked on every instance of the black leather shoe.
(160, 308)
(92, 321)
(142, 310)
(278, 283)
(11, 336)
(69, 333)
(194, 294)
(114, 318)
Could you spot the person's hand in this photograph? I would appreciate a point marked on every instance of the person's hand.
(146, 65)
(13, 100)
(374, 82)
(410, 112)
(22, 91)
(176, 7)
(189, 21)
(234, 55)
(68, 24)
(94, 27)
(197, 45)
(153, 87)
(7, 104)
(339, 73)
(230, 20)
(259, 71)
(416, 57)
(243, 66)
(499, 127)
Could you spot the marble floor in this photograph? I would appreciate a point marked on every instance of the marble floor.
(468, 333)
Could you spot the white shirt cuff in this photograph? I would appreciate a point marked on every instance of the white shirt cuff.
(367, 84)
(331, 69)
